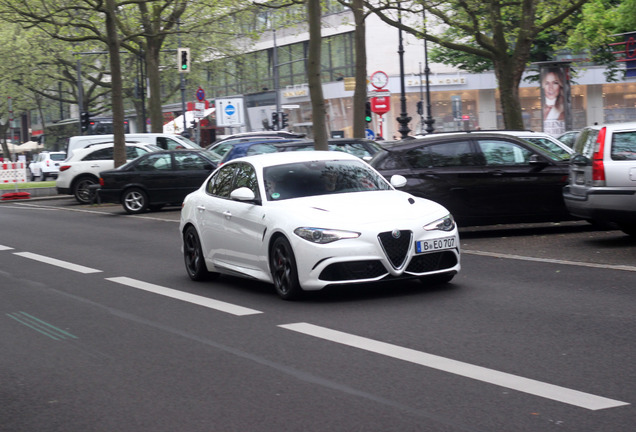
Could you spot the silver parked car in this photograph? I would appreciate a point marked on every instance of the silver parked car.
(602, 183)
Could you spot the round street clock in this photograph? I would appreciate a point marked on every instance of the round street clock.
(379, 79)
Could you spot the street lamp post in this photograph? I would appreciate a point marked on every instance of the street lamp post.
(427, 71)
(403, 119)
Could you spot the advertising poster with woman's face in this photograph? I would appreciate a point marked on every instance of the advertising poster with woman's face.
(555, 100)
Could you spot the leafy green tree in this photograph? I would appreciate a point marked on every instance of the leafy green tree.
(500, 33)
(599, 20)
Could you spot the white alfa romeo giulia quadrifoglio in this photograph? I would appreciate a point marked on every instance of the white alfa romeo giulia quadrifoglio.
(307, 220)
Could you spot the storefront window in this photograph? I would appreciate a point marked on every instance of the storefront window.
(619, 102)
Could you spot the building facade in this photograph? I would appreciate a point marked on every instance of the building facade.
(459, 100)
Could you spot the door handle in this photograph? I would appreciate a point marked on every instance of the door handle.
(201, 207)
(227, 214)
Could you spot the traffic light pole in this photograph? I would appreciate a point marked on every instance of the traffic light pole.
(80, 93)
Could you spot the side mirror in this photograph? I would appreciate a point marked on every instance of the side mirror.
(580, 160)
(242, 194)
(535, 159)
(398, 181)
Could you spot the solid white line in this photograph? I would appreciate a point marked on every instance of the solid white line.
(514, 382)
(550, 260)
(5, 247)
(187, 297)
(64, 264)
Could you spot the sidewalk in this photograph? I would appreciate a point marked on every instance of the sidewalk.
(36, 192)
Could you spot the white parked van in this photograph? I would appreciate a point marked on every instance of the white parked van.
(165, 141)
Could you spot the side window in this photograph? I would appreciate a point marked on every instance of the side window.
(498, 152)
(156, 162)
(246, 177)
(419, 157)
(261, 149)
(190, 161)
(103, 154)
(624, 145)
(456, 153)
(172, 144)
(133, 152)
(162, 142)
(220, 184)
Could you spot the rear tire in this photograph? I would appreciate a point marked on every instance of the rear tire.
(193, 257)
(81, 190)
(134, 201)
(282, 264)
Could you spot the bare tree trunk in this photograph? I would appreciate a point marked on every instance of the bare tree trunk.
(154, 86)
(508, 82)
(119, 152)
(313, 76)
(360, 92)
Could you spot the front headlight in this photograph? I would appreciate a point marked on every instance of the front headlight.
(323, 236)
(447, 223)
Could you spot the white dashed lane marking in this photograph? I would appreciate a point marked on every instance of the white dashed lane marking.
(514, 382)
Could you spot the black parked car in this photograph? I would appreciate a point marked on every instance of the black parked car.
(481, 178)
(155, 179)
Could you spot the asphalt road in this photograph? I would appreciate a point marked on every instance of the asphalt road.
(102, 330)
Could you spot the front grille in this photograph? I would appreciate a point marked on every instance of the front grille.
(396, 249)
(431, 262)
(353, 270)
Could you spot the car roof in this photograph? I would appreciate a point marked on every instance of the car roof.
(98, 146)
(282, 134)
(281, 158)
(613, 126)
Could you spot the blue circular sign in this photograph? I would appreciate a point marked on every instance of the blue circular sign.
(370, 134)
(200, 94)
(230, 109)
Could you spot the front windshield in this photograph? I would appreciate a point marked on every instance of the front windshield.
(304, 179)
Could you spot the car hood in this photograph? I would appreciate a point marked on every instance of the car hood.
(364, 208)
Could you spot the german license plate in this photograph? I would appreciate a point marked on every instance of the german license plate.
(436, 244)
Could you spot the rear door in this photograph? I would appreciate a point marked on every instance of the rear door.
(447, 172)
(157, 175)
(520, 182)
(191, 171)
(620, 160)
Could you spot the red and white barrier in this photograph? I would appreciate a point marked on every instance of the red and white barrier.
(13, 172)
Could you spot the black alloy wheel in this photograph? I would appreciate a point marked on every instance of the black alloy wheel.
(193, 257)
(284, 272)
(82, 191)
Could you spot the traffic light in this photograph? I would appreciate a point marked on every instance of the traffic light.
(367, 112)
(420, 107)
(183, 59)
(284, 117)
(275, 121)
(85, 120)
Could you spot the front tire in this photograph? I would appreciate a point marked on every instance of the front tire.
(284, 271)
(82, 191)
(134, 201)
(193, 257)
